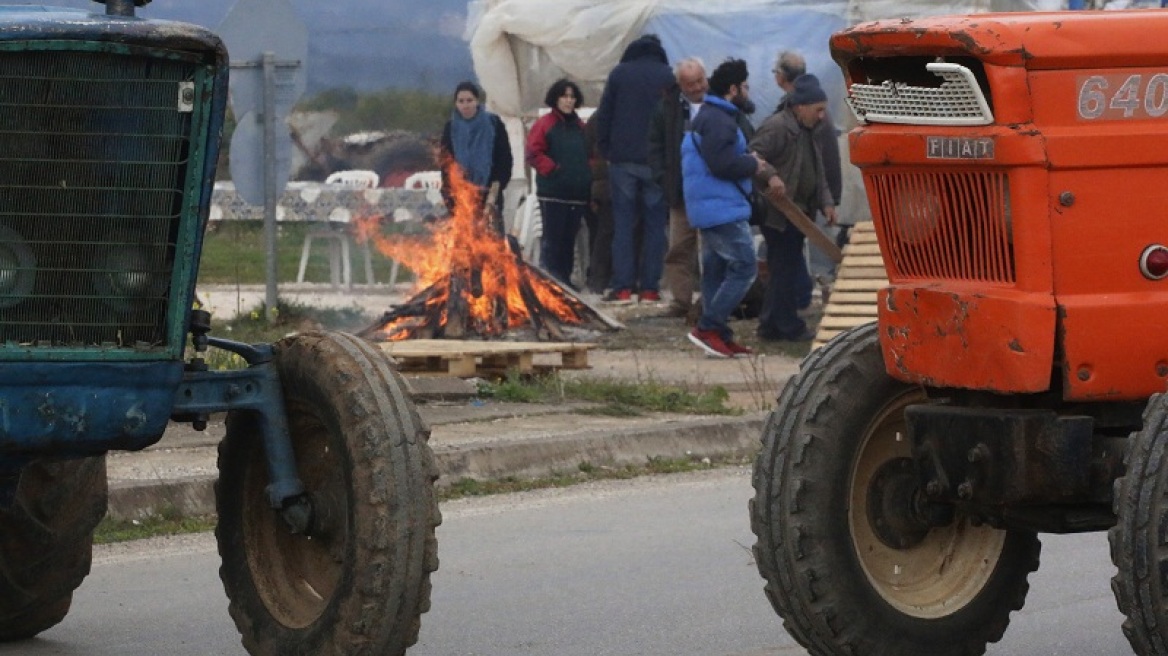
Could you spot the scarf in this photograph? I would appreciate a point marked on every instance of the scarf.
(473, 140)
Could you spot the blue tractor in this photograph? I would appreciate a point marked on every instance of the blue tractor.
(109, 136)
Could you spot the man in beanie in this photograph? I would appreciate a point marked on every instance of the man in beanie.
(786, 141)
(789, 65)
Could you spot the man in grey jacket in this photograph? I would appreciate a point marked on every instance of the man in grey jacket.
(671, 121)
(786, 141)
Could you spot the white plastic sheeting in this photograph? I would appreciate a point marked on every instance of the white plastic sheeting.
(520, 47)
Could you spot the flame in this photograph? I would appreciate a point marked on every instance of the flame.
(464, 251)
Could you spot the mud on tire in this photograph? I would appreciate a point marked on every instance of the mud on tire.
(839, 588)
(46, 542)
(362, 454)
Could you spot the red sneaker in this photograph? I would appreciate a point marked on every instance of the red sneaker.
(619, 296)
(738, 350)
(710, 342)
(650, 296)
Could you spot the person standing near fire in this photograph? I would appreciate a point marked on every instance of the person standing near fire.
(786, 140)
(477, 141)
(557, 150)
(631, 93)
(717, 171)
(671, 121)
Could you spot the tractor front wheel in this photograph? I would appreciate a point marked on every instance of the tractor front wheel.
(360, 581)
(849, 564)
(46, 542)
(1137, 539)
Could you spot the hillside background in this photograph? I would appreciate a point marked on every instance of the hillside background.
(365, 45)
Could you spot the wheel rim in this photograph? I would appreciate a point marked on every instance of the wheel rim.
(296, 576)
(941, 572)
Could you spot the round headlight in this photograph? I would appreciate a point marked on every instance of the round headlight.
(918, 212)
(130, 273)
(17, 268)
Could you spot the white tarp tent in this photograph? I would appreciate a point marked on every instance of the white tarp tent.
(520, 47)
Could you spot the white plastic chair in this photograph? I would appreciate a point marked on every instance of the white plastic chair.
(424, 180)
(340, 266)
(420, 181)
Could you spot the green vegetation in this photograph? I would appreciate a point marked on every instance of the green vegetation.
(168, 522)
(618, 398)
(233, 254)
(251, 328)
(389, 109)
(586, 472)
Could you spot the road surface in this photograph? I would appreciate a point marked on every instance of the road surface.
(647, 567)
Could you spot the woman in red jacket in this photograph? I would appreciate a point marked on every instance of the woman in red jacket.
(556, 149)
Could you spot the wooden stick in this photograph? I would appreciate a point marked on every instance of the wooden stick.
(807, 227)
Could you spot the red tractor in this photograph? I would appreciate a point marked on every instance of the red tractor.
(1015, 165)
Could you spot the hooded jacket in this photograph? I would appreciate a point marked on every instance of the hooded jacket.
(715, 167)
(631, 93)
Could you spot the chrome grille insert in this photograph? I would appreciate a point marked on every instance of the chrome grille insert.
(957, 101)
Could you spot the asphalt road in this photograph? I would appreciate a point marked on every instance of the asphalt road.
(653, 566)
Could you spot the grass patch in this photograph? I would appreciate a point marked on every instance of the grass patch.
(252, 328)
(617, 398)
(168, 522)
(234, 254)
(586, 472)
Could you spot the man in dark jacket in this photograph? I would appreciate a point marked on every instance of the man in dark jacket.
(786, 140)
(671, 121)
(622, 135)
(716, 172)
(789, 65)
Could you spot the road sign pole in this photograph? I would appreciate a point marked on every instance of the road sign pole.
(269, 110)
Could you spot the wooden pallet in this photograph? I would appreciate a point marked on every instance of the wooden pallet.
(469, 358)
(853, 295)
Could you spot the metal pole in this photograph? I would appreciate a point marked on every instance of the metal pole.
(269, 114)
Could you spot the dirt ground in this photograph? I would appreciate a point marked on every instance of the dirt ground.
(646, 328)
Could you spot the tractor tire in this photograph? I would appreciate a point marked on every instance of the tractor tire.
(844, 580)
(361, 585)
(46, 542)
(1137, 543)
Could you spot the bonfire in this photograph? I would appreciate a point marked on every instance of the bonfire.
(471, 280)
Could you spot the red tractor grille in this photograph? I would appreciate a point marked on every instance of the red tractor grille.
(947, 226)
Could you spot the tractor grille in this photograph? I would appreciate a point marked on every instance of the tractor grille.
(93, 157)
(948, 226)
(955, 98)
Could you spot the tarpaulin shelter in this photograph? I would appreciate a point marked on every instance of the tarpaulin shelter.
(520, 47)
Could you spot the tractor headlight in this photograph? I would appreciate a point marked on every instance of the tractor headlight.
(17, 268)
(918, 213)
(130, 273)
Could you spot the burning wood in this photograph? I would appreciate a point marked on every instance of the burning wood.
(472, 280)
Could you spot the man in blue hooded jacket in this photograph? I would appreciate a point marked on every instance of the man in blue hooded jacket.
(716, 170)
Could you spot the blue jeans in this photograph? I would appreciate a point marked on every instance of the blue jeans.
(729, 266)
(638, 210)
(788, 284)
(557, 244)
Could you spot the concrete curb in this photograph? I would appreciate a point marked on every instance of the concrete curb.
(712, 437)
